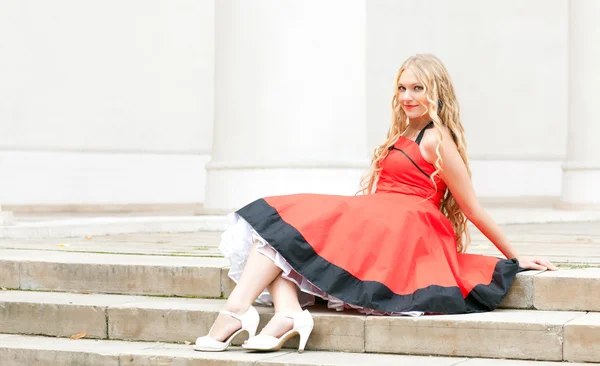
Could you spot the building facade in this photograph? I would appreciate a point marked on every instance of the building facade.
(222, 101)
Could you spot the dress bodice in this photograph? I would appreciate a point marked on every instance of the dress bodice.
(405, 171)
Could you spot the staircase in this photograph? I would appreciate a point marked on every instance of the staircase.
(146, 307)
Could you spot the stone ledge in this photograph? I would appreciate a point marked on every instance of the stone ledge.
(582, 339)
(566, 289)
(520, 295)
(574, 289)
(112, 273)
(518, 334)
(21, 350)
(108, 225)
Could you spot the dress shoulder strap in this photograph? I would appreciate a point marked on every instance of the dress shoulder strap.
(420, 136)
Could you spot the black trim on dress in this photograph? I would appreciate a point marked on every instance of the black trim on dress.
(418, 142)
(338, 282)
(411, 160)
(420, 137)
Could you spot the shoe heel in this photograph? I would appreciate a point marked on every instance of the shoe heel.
(251, 332)
(304, 334)
(250, 321)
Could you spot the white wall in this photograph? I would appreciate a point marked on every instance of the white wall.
(290, 99)
(508, 61)
(122, 88)
(112, 101)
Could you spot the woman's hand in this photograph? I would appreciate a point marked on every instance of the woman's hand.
(539, 264)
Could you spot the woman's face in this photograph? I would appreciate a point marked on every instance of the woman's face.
(412, 96)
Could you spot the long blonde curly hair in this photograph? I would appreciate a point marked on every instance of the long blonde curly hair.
(432, 73)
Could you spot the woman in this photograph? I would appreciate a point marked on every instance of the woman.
(399, 248)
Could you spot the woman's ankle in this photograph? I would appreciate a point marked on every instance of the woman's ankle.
(223, 327)
(237, 309)
(277, 326)
(288, 309)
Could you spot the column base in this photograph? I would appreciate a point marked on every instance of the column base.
(98, 178)
(6, 218)
(580, 190)
(230, 189)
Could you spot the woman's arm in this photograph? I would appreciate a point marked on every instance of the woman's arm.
(455, 175)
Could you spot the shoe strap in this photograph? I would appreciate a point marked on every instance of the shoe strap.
(297, 317)
(233, 315)
(290, 314)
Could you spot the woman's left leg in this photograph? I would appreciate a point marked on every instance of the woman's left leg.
(288, 319)
(285, 299)
(259, 272)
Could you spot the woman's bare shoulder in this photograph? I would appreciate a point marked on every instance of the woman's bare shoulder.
(430, 142)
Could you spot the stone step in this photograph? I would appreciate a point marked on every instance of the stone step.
(513, 334)
(61, 227)
(113, 273)
(18, 350)
(567, 289)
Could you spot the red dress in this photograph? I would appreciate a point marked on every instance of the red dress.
(392, 251)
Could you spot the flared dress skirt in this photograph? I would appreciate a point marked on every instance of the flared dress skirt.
(390, 252)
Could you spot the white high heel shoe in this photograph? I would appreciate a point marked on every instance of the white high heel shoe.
(303, 326)
(249, 323)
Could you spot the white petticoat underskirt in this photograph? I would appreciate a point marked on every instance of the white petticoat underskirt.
(236, 243)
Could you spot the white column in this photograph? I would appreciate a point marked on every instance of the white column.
(6, 218)
(289, 99)
(581, 171)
